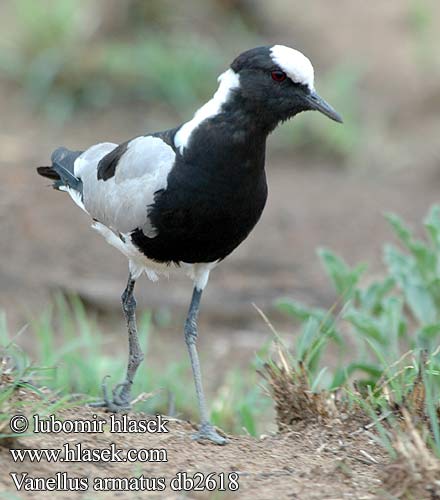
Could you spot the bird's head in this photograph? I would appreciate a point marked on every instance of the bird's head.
(275, 83)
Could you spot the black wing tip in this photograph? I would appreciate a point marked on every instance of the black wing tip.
(107, 165)
(48, 172)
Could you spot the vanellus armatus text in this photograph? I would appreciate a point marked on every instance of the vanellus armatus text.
(188, 196)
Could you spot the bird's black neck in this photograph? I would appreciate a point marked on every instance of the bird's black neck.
(228, 141)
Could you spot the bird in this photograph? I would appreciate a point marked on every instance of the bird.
(186, 197)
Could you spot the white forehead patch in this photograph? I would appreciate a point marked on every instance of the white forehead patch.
(295, 64)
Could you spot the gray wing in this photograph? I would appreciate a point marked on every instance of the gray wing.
(119, 199)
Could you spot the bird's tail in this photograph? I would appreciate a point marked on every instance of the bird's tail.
(62, 170)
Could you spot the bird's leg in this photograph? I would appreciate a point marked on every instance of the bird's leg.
(207, 430)
(122, 392)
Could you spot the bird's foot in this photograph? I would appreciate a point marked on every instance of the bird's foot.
(207, 432)
(119, 400)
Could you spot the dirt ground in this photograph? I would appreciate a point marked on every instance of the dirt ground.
(334, 461)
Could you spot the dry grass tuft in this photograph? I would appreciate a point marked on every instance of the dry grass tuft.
(415, 400)
(415, 474)
(294, 400)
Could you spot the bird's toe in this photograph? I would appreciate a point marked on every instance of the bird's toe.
(110, 406)
(121, 394)
(120, 400)
(207, 432)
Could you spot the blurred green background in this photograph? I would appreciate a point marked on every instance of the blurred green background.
(378, 66)
(68, 56)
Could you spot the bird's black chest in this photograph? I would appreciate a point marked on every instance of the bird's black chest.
(206, 211)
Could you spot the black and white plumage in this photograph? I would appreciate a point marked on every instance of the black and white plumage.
(187, 197)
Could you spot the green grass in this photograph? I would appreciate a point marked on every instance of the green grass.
(61, 67)
(386, 331)
(18, 372)
(71, 359)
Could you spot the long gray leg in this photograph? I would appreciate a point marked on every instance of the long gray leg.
(122, 392)
(207, 430)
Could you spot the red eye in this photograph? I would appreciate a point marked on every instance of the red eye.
(278, 76)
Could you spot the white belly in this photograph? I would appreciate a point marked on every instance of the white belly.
(139, 263)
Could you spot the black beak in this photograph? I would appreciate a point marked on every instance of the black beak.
(317, 103)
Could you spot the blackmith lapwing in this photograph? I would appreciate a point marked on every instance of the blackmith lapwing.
(187, 197)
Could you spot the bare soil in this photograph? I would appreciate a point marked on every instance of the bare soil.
(316, 461)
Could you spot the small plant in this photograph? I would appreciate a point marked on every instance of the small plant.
(63, 62)
(72, 364)
(295, 401)
(383, 318)
(390, 371)
(415, 472)
(411, 435)
(19, 393)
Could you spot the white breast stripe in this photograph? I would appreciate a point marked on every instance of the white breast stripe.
(295, 64)
(228, 81)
